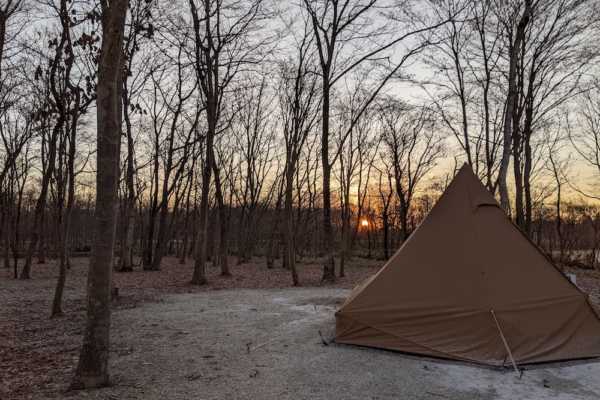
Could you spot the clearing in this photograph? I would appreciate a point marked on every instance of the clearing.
(240, 343)
(265, 344)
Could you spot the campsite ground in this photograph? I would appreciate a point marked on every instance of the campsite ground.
(256, 339)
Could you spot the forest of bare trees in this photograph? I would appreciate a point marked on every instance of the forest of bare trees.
(220, 131)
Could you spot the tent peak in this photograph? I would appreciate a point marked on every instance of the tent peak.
(467, 182)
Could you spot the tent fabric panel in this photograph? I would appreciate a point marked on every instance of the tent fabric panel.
(554, 331)
(464, 260)
(509, 264)
(355, 333)
(437, 333)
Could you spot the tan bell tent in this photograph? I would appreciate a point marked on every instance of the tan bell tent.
(468, 285)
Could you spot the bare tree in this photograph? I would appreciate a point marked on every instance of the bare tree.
(541, 50)
(70, 101)
(57, 107)
(553, 69)
(585, 132)
(139, 28)
(221, 47)
(485, 69)
(386, 193)
(21, 170)
(223, 215)
(515, 21)
(254, 144)
(557, 165)
(92, 368)
(414, 149)
(173, 135)
(466, 64)
(298, 101)
(9, 9)
(357, 152)
(338, 25)
(454, 39)
(16, 132)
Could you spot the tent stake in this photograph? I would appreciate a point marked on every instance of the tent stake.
(512, 360)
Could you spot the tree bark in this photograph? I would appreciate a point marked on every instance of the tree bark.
(126, 260)
(199, 276)
(386, 233)
(66, 228)
(92, 368)
(222, 256)
(40, 205)
(527, 152)
(71, 128)
(288, 221)
(511, 102)
(328, 251)
(17, 224)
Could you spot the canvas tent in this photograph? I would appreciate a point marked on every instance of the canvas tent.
(468, 285)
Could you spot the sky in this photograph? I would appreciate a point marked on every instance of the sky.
(581, 175)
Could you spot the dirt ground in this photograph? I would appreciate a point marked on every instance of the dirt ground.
(38, 354)
(265, 344)
(258, 339)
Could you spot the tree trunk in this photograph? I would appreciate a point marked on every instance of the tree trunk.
(92, 368)
(328, 251)
(345, 238)
(403, 218)
(288, 221)
(7, 236)
(275, 234)
(161, 236)
(126, 261)
(559, 232)
(511, 100)
(184, 242)
(386, 234)
(527, 187)
(149, 248)
(517, 165)
(17, 224)
(528, 163)
(199, 276)
(42, 247)
(66, 228)
(369, 255)
(40, 205)
(222, 255)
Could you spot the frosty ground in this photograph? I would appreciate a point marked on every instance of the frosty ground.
(264, 343)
